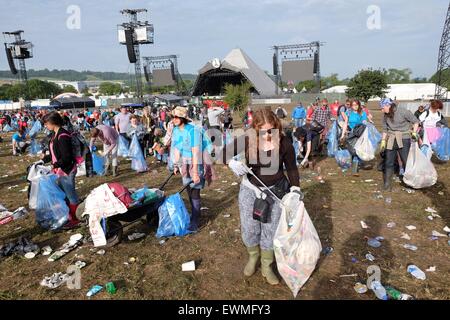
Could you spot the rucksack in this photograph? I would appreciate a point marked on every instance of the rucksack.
(443, 121)
(79, 146)
(121, 193)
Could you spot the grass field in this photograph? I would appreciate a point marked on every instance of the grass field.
(336, 207)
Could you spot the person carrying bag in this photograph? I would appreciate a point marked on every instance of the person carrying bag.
(267, 152)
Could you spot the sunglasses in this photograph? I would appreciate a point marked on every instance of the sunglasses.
(264, 132)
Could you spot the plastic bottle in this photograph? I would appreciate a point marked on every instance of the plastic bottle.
(94, 290)
(111, 288)
(394, 294)
(379, 290)
(416, 272)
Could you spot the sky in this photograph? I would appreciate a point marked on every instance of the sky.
(406, 35)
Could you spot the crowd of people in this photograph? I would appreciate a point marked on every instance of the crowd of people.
(191, 140)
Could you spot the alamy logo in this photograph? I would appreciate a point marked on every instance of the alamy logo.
(374, 20)
(73, 22)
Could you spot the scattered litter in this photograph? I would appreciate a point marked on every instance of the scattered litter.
(25, 189)
(431, 269)
(94, 290)
(80, 264)
(391, 225)
(101, 252)
(162, 242)
(388, 200)
(234, 184)
(21, 247)
(12, 187)
(348, 275)
(5, 176)
(322, 181)
(430, 218)
(332, 173)
(212, 232)
(374, 243)
(354, 260)
(226, 215)
(353, 181)
(30, 255)
(394, 294)
(411, 227)
(433, 238)
(379, 238)
(132, 260)
(81, 181)
(405, 236)
(360, 288)
(434, 233)
(416, 272)
(188, 266)
(7, 216)
(325, 206)
(410, 247)
(446, 229)
(370, 257)
(237, 230)
(430, 210)
(364, 225)
(224, 181)
(74, 241)
(379, 290)
(135, 236)
(111, 288)
(204, 208)
(368, 180)
(435, 215)
(410, 191)
(327, 250)
(55, 280)
(440, 193)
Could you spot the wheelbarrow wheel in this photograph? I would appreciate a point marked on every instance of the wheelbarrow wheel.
(114, 233)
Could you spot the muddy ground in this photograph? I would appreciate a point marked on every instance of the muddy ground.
(336, 207)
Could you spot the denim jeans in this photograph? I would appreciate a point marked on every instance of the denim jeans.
(67, 184)
(391, 155)
(299, 122)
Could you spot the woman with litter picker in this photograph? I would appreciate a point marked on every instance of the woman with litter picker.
(63, 161)
(397, 136)
(267, 151)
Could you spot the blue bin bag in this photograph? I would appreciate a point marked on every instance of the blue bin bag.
(442, 146)
(35, 129)
(124, 146)
(98, 163)
(374, 136)
(332, 137)
(138, 162)
(173, 217)
(35, 147)
(344, 159)
(7, 128)
(52, 211)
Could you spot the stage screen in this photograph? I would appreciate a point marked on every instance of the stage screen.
(162, 77)
(297, 71)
